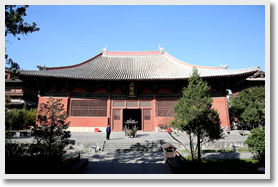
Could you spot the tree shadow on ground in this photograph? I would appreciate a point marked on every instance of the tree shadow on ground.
(147, 158)
(140, 158)
(126, 168)
(141, 135)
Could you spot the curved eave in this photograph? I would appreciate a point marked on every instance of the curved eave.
(230, 75)
(134, 79)
(191, 65)
(73, 66)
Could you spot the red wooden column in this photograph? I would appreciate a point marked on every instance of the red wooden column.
(68, 106)
(153, 117)
(109, 111)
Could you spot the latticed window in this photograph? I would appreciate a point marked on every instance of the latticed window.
(117, 114)
(145, 104)
(132, 103)
(147, 114)
(118, 104)
(165, 108)
(92, 107)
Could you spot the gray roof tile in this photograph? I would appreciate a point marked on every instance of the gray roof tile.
(134, 66)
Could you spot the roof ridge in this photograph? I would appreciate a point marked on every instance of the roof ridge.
(131, 53)
(135, 51)
(75, 65)
(188, 64)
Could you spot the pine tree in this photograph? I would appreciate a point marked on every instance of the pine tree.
(51, 129)
(195, 116)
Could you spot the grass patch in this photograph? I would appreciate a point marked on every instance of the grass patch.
(217, 150)
(224, 166)
(240, 149)
(18, 130)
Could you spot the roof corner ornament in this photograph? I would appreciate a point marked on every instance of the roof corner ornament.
(104, 49)
(41, 67)
(162, 50)
(224, 66)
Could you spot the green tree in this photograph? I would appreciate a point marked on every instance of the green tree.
(20, 118)
(249, 107)
(51, 129)
(195, 116)
(15, 119)
(7, 102)
(30, 117)
(15, 25)
(256, 143)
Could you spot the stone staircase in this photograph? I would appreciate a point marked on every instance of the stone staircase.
(148, 143)
(145, 146)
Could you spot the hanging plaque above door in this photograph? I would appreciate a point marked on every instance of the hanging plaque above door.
(132, 92)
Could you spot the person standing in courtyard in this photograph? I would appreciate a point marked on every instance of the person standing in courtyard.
(108, 131)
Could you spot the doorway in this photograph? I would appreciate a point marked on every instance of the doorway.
(133, 114)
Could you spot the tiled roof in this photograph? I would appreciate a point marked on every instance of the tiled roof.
(149, 65)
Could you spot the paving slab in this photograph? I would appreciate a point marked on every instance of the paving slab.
(126, 162)
(141, 154)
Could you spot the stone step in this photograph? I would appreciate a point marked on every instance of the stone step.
(130, 146)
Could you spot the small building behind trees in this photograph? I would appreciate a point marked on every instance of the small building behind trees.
(19, 94)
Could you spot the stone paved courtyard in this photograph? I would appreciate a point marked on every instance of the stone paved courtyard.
(141, 154)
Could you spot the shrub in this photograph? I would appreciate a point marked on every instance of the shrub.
(21, 158)
(20, 118)
(15, 119)
(29, 117)
(249, 107)
(256, 143)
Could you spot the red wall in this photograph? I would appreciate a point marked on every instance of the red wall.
(79, 121)
(163, 121)
(220, 104)
(88, 121)
(45, 99)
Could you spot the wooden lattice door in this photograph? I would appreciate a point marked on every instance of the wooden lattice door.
(117, 120)
(147, 118)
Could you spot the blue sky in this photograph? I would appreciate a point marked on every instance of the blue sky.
(202, 35)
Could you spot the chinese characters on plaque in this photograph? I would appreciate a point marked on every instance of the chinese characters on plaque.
(131, 90)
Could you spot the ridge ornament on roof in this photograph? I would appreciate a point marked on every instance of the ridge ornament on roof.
(104, 50)
(41, 67)
(162, 50)
(224, 66)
